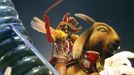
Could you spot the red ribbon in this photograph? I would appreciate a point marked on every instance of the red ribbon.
(47, 26)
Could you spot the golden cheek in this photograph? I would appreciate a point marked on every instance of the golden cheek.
(94, 40)
(97, 36)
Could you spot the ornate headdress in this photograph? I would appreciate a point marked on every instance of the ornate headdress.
(70, 22)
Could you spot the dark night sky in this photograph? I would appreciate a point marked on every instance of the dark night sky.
(117, 13)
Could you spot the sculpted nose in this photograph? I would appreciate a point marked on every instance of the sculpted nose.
(116, 44)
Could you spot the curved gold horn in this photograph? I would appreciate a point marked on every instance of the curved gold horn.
(79, 44)
(85, 17)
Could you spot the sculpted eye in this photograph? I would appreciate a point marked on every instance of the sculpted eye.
(102, 30)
